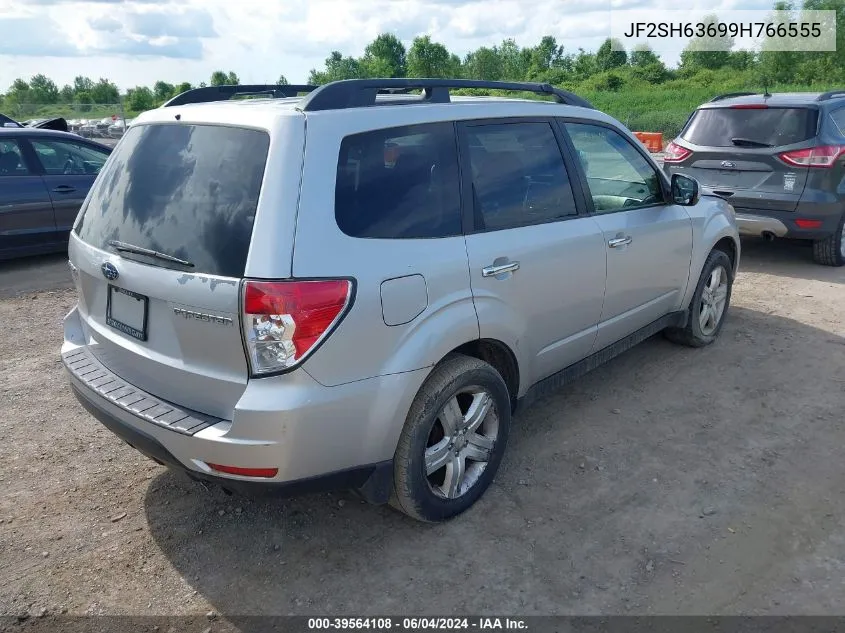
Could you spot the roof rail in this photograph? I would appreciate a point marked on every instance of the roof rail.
(732, 94)
(357, 93)
(224, 93)
(831, 94)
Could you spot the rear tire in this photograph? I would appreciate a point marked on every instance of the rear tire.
(831, 250)
(453, 440)
(709, 305)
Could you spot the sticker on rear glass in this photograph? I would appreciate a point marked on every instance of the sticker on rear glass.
(788, 181)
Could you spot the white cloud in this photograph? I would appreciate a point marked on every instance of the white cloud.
(139, 41)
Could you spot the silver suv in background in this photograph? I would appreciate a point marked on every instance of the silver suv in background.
(358, 287)
(779, 159)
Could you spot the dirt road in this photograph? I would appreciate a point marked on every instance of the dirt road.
(668, 481)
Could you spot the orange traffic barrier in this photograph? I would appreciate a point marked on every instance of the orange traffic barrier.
(652, 140)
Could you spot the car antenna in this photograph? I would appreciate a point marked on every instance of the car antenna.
(766, 93)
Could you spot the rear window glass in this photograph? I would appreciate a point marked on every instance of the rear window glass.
(399, 183)
(717, 127)
(189, 191)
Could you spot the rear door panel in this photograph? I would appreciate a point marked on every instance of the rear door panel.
(68, 190)
(26, 211)
(552, 303)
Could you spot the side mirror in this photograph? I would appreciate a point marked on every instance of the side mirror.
(685, 190)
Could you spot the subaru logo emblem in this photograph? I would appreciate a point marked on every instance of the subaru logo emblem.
(109, 271)
(728, 164)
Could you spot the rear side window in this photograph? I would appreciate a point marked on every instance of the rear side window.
(739, 127)
(838, 117)
(189, 191)
(11, 159)
(518, 176)
(62, 157)
(399, 183)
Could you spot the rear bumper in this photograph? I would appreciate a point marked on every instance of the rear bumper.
(759, 226)
(317, 437)
(373, 480)
(758, 222)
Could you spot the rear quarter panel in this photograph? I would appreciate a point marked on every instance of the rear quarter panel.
(364, 345)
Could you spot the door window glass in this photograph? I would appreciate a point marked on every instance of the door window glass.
(66, 157)
(518, 176)
(11, 160)
(618, 175)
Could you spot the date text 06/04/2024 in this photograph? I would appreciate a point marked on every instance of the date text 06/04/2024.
(417, 623)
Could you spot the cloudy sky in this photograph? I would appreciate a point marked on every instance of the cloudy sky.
(140, 41)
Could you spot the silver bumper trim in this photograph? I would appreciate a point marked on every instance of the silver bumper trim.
(757, 225)
(93, 374)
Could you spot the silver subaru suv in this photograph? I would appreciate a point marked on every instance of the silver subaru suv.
(355, 286)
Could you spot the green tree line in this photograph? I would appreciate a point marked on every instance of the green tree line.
(635, 86)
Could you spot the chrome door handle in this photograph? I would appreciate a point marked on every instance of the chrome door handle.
(500, 269)
(619, 241)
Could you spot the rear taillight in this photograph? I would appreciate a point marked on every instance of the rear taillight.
(824, 156)
(675, 153)
(284, 320)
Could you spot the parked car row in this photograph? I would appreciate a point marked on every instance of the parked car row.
(108, 127)
(102, 128)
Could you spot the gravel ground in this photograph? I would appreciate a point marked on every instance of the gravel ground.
(670, 481)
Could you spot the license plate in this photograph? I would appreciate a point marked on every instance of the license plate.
(127, 311)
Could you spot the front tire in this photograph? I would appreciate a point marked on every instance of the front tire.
(453, 440)
(831, 250)
(709, 304)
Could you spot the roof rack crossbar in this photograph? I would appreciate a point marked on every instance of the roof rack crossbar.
(224, 93)
(729, 95)
(357, 93)
(831, 94)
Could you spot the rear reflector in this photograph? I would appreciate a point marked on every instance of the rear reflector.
(266, 473)
(675, 153)
(808, 224)
(823, 156)
(284, 320)
(750, 106)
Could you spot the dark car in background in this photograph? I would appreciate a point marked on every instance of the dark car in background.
(779, 159)
(44, 178)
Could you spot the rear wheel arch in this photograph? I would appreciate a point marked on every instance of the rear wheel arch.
(499, 356)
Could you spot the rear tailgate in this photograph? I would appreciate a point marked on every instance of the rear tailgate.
(735, 151)
(188, 192)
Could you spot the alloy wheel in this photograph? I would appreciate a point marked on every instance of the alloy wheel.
(713, 300)
(461, 442)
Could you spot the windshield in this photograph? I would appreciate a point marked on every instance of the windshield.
(188, 191)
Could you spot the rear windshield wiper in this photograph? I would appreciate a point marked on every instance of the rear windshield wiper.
(748, 142)
(123, 247)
